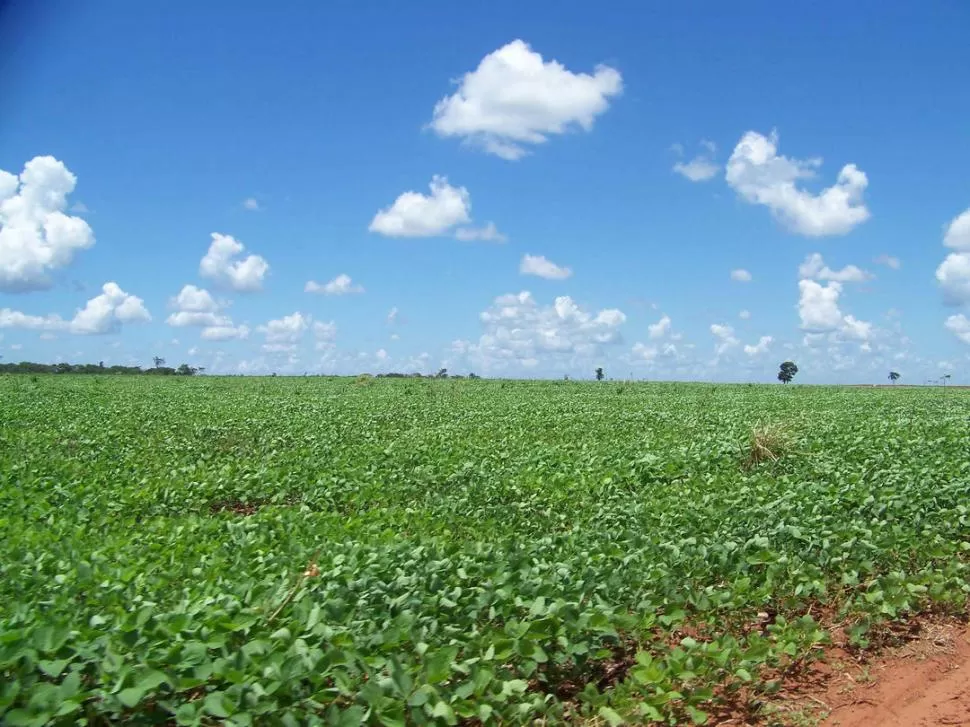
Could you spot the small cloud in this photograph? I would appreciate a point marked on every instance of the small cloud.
(79, 208)
(889, 261)
(392, 316)
(252, 204)
(341, 285)
(488, 233)
(814, 267)
(660, 328)
(760, 347)
(741, 275)
(744, 315)
(541, 267)
(702, 167)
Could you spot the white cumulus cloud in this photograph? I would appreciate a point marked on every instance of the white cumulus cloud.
(223, 264)
(515, 98)
(741, 275)
(421, 215)
(953, 274)
(288, 329)
(36, 236)
(760, 347)
(341, 285)
(957, 234)
(814, 267)
(660, 328)
(725, 338)
(519, 332)
(541, 267)
(196, 307)
(105, 313)
(818, 308)
(225, 333)
(959, 326)
(954, 278)
(744, 315)
(15, 319)
(761, 176)
(818, 305)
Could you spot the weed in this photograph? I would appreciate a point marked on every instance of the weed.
(767, 443)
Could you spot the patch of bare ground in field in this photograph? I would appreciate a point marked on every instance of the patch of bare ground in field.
(920, 677)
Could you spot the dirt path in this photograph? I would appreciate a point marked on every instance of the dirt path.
(920, 685)
(924, 683)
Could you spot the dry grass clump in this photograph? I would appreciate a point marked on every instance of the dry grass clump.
(767, 443)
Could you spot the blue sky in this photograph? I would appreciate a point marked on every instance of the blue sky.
(599, 179)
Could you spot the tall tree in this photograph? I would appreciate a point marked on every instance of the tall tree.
(599, 373)
(158, 361)
(787, 372)
(893, 376)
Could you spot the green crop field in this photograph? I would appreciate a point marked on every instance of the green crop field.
(327, 551)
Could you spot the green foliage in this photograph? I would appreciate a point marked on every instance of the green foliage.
(311, 551)
(787, 372)
(29, 367)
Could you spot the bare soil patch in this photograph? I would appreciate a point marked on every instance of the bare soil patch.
(923, 682)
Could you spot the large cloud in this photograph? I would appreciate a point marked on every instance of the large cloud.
(36, 237)
(104, 313)
(515, 98)
(761, 176)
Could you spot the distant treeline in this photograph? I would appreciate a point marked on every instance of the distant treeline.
(29, 367)
(442, 374)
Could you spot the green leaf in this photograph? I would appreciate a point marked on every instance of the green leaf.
(611, 716)
(696, 715)
(438, 665)
(54, 667)
(217, 704)
(442, 710)
(23, 718)
(131, 696)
